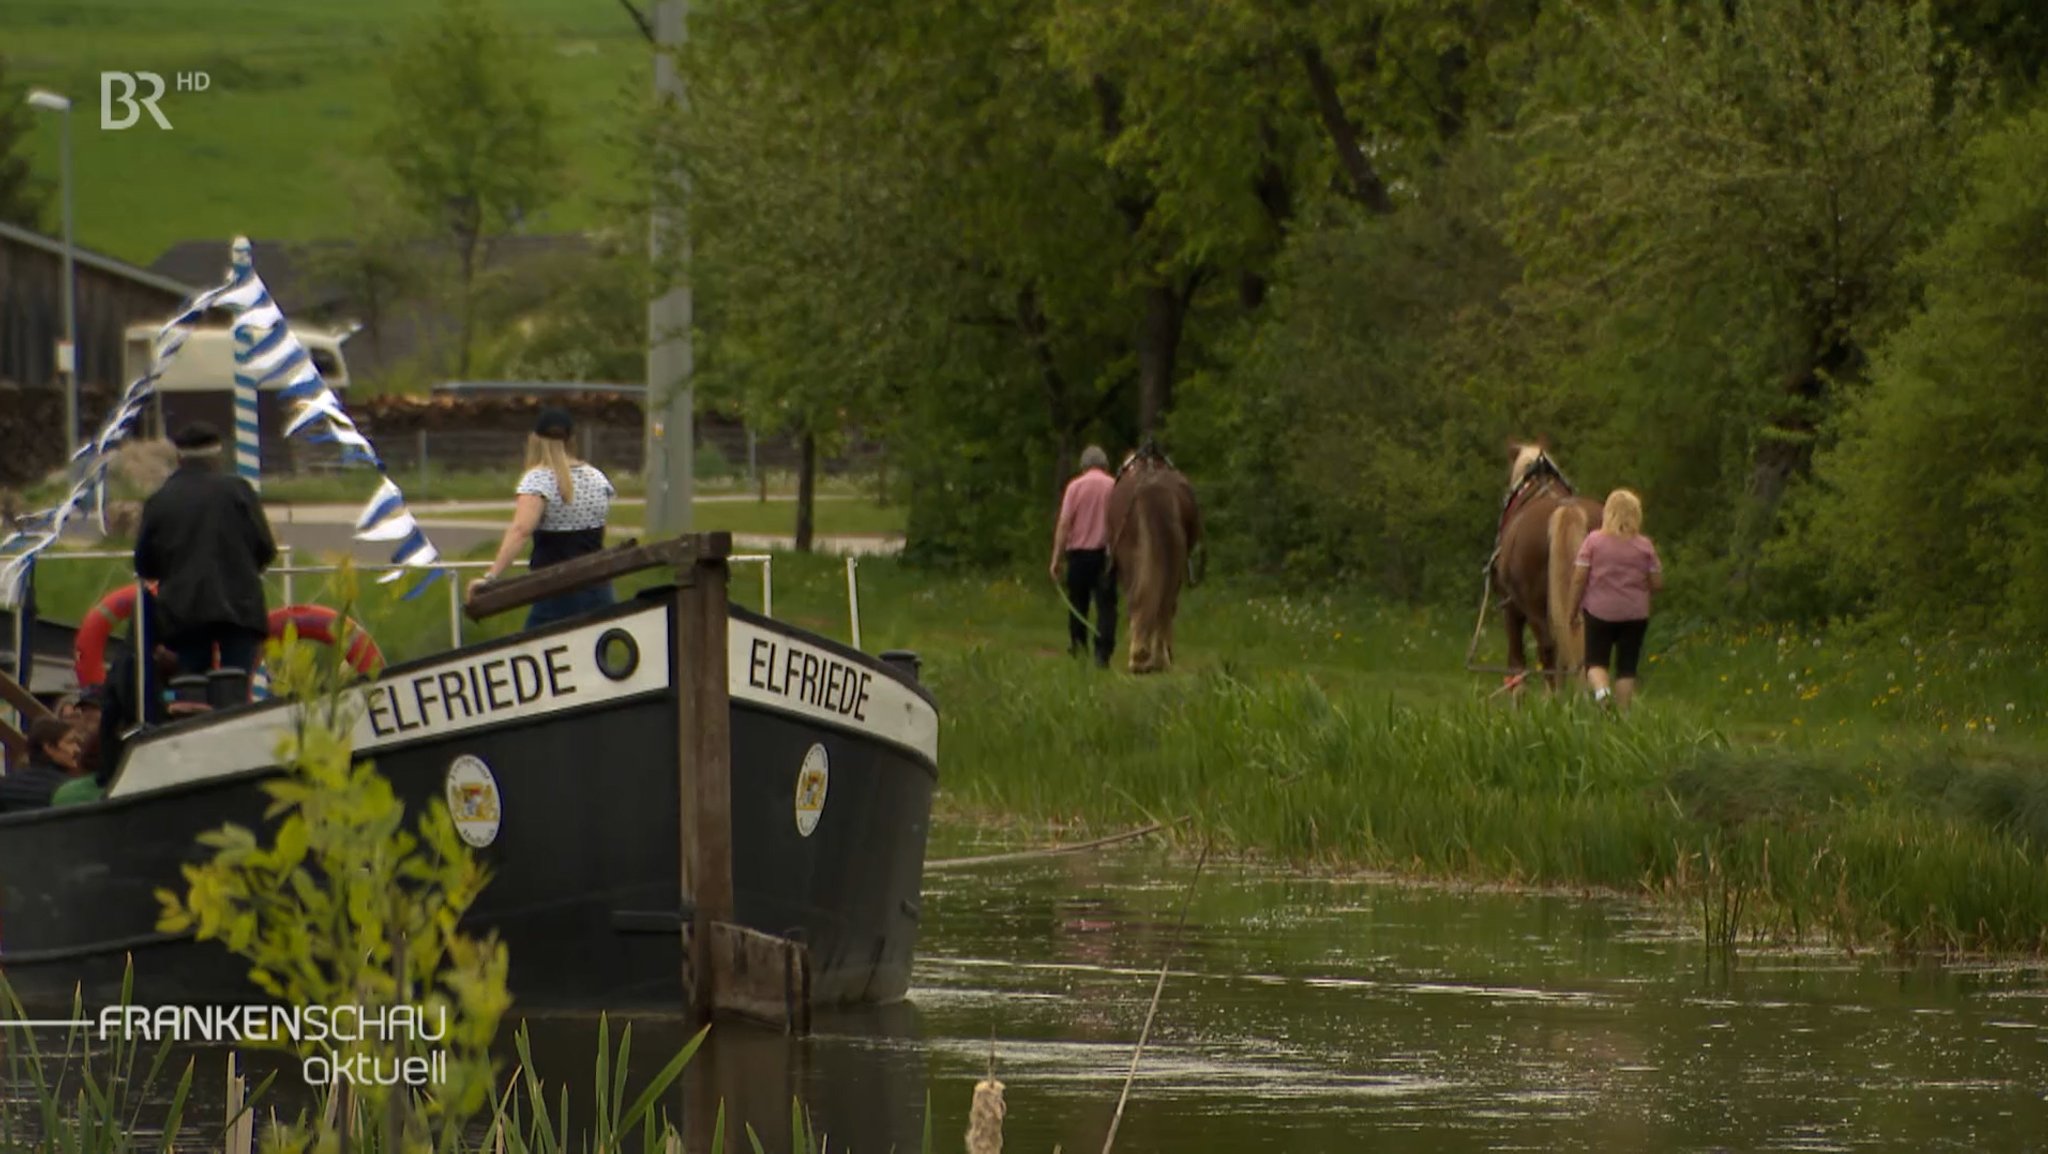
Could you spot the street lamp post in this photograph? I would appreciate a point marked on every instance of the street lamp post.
(68, 362)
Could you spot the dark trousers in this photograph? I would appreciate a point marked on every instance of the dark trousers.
(1088, 579)
(239, 648)
(1603, 638)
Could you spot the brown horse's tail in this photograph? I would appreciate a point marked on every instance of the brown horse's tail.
(1567, 533)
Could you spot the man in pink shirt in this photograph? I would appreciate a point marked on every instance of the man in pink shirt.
(1082, 537)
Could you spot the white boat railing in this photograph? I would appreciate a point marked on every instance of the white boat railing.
(287, 571)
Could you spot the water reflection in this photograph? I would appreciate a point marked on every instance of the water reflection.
(1334, 1014)
(1345, 1014)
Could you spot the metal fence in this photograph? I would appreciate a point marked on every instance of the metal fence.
(721, 452)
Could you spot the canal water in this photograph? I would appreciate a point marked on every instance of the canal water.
(1346, 1014)
(1332, 1014)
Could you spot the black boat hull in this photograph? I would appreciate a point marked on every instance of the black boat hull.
(579, 770)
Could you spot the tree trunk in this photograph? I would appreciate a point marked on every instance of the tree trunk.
(373, 320)
(1063, 462)
(1365, 185)
(469, 244)
(806, 492)
(1785, 451)
(1276, 196)
(1158, 347)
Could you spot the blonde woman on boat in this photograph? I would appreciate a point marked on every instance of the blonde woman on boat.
(562, 505)
(1616, 572)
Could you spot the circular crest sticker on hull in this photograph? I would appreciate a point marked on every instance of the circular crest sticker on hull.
(473, 800)
(811, 782)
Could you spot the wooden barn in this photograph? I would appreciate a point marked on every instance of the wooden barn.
(111, 296)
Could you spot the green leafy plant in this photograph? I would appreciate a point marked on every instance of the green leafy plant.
(347, 907)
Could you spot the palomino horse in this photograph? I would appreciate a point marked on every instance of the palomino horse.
(1154, 526)
(1542, 524)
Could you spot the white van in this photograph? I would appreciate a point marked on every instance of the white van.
(199, 382)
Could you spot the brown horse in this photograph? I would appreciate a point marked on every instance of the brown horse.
(1542, 524)
(1154, 527)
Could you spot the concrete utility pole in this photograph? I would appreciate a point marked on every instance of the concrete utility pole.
(671, 441)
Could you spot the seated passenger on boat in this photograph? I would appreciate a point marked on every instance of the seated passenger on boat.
(53, 749)
(561, 505)
(83, 784)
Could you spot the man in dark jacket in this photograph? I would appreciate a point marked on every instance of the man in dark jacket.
(206, 542)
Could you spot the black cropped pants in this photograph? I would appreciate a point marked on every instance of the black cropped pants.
(1604, 638)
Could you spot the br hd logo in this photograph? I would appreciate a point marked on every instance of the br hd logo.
(134, 107)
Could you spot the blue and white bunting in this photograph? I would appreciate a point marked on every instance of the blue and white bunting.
(39, 530)
(266, 352)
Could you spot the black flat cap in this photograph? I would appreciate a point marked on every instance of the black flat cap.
(553, 424)
(197, 435)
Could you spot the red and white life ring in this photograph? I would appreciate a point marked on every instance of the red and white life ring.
(314, 622)
(89, 649)
(318, 623)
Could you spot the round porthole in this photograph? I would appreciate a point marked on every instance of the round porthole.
(618, 655)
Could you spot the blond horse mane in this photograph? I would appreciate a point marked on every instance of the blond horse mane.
(1526, 457)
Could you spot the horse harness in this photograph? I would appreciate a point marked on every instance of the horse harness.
(1543, 472)
(1149, 451)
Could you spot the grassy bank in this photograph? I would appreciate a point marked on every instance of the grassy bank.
(1867, 787)
(1871, 788)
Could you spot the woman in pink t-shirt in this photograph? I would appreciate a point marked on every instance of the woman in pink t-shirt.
(1611, 586)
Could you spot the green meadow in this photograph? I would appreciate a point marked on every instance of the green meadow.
(1772, 783)
(272, 148)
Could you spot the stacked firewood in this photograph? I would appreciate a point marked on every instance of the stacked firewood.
(387, 415)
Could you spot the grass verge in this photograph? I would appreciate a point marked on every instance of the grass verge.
(1775, 781)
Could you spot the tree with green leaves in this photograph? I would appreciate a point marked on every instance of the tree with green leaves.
(873, 243)
(24, 197)
(1717, 204)
(1357, 430)
(1932, 498)
(380, 267)
(471, 137)
(345, 906)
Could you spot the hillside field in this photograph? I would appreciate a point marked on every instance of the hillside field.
(272, 147)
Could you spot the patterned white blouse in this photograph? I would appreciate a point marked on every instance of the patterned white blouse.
(591, 507)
